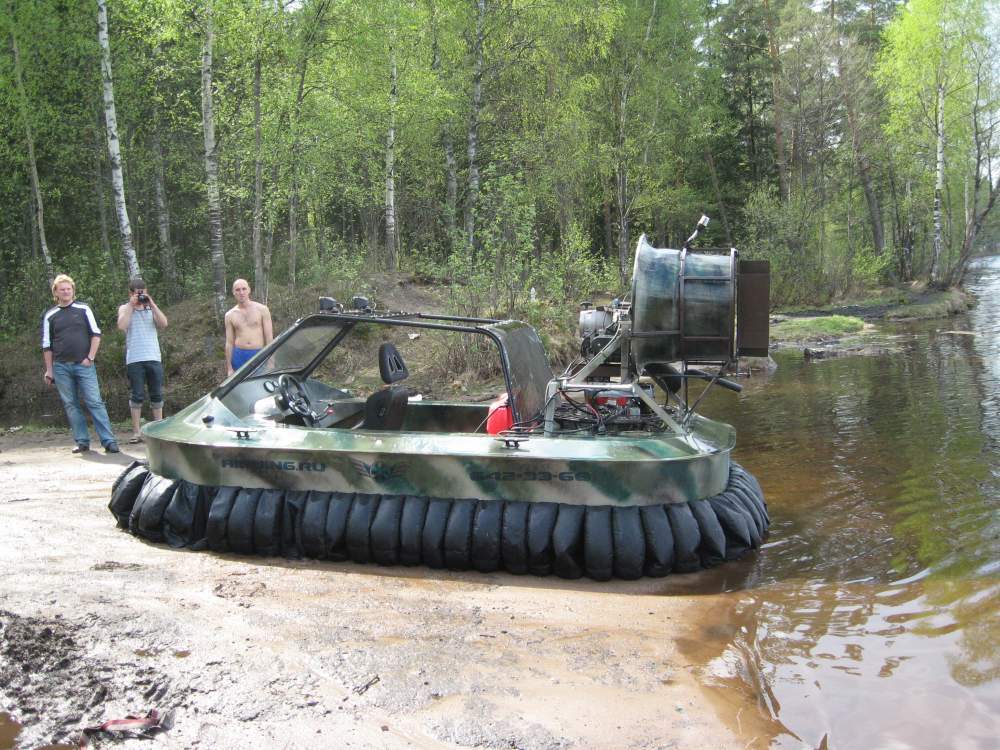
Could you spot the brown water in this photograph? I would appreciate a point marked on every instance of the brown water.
(871, 619)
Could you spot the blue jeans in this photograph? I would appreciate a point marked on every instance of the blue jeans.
(142, 375)
(77, 383)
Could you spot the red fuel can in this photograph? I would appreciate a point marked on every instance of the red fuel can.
(499, 417)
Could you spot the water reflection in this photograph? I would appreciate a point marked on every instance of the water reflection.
(872, 618)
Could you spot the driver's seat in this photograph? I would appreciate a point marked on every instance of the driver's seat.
(386, 408)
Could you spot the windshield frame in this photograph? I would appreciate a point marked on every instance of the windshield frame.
(349, 321)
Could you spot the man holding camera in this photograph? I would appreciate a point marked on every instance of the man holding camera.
(139, 318)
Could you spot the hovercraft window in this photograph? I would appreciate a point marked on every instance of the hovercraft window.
(300, 349)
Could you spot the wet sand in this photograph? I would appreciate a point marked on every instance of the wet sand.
(263, 652)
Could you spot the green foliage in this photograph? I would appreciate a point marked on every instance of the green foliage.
(507, 218)
(869, 268)
(596, 122)
(775, 231)
(939, 68)
(26, 297)
(571, 271)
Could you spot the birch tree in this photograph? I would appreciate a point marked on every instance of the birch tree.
(391, 259)
(114, 147)
(475, 113)
(212, 166)
(259, 277)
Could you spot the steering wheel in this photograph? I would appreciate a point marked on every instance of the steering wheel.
(294, 397)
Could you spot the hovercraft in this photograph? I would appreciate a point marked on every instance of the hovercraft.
(605, 470)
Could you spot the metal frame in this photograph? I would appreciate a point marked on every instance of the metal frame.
(628, 385)
(352, 319)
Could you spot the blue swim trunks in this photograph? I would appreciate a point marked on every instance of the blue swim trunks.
(241, 356)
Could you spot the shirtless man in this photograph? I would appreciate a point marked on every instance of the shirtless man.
(248, 327)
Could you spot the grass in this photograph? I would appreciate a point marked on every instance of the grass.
(801, 329)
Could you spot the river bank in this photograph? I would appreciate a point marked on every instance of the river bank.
(855, 328)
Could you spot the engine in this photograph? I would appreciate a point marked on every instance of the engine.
(681, 310)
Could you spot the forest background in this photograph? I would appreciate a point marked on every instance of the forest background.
(490, 146)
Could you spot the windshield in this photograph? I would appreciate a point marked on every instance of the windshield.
(443, 360)
(296, 351)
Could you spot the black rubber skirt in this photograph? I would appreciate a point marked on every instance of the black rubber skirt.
(570, 541)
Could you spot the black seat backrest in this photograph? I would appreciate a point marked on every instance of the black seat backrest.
(390, 364)
(386, 409)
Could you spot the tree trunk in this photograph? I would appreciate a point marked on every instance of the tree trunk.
(903, 228)
(235, 206)
(293, 195)
(102, 208)
(779, 133)
(167, 255)
(319, 225)
(609, 231)
(623, 197)
(861, 159)
(871, 198)
(935, 273)
(114, 148)
(972, 230)
(472, 199)
(720, 204)
(659, 227)
(451, 188)
(212, 169)
(269, 242)
(32, 225)
(451, 168)
(258, 181)
(36, 191)
(621, 201)
(391, 260)
(910, 233)
(293, 229)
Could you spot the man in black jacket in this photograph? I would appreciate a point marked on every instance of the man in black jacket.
(70, 340)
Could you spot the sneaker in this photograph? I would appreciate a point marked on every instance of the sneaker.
(112, 448)
(81, 448)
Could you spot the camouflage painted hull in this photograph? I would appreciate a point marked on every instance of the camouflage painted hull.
(641, 469)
